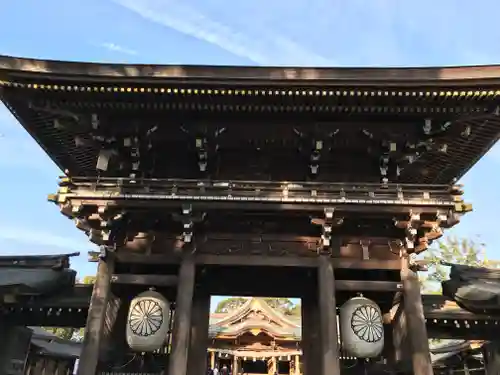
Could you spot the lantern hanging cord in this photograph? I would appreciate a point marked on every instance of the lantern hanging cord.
(125, 364)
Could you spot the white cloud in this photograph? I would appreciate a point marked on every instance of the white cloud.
(35, 237)
(333, 32)
(117, 48)
(261, 44)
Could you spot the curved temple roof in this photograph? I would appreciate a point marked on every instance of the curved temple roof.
(55, 100)
(256, 316)
(449, 76)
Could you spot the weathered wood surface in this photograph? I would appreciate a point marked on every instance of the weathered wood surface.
(415, 321)
(328, 318)
(178, 360)
(96, 318)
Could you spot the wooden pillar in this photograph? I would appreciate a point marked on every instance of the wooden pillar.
(311, 344)
(491, 355)
(388, 351)
(414, 312)
(200, 317)
(212, 360)
(328, 318)
(400, 353)
(235, 365)
(113, 339)
(94, 328)
(272, 366)
(297, 364)
(182, 319)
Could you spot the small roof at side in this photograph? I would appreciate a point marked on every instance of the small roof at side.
(49, 344)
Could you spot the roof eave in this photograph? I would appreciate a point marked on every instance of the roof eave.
(449, 76)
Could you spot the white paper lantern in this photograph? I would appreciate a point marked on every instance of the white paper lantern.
(362, 328)
(148, 322)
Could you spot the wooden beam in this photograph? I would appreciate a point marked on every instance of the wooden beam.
(261, 261)
(451, 332)
(101, 294)
(328, 318)
(153, 202)
(150, 280)
(368, 286)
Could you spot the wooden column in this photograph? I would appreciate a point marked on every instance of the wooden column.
(400, 355)
(212, 360)
(272, 369)
(414, 312)
(297, 364)
(311, 344)
(200, 317)
(328, 318)
(182, 319)
(94, 328)
(113, 339)
(491, 355)
(235, 365)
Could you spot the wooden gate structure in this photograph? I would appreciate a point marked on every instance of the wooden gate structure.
(320, 184)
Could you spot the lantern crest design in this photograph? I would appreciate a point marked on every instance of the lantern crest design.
(146, 317)
(361, 328)
(366, 323)
(148, 322)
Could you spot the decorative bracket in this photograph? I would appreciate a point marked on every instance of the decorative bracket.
(327, 225)
(187, 223)
(365, 246)
(315, 157)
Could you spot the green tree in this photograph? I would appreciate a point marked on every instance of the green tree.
(230, 304)
(295, 310)
(452, 250)
(284, 305)
(65, 333)
(88, 280)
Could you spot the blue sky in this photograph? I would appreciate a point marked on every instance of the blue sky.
(242, 32)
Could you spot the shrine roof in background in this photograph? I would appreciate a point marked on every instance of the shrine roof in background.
(255, 316)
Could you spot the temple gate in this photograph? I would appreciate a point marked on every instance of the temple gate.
(320, 184)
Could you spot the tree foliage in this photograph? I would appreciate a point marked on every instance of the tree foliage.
(230, 304)
(295, 310)
(284, 305)
(452, 250)
(88, 280)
